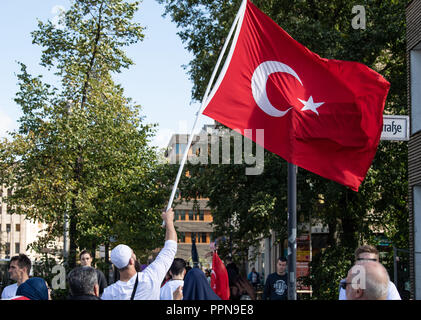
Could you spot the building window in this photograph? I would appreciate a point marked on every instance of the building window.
(182, 215)
(17, 248)
(8, 227)
(180, 148)
(191, 215)
(201, 215)
(7, 249)
(17, 227)
(201, 237)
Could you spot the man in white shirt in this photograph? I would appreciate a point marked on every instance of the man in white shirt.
(19, 269)
(367, 280)
(177, 272)
(369, 253)
(143, 285)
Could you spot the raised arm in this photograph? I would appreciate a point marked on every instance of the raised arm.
(157, 270)
(168, 218)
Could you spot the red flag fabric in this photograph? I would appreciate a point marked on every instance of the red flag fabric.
(219, 278)
(325, 116)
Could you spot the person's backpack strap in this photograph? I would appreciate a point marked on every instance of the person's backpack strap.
(135, 286)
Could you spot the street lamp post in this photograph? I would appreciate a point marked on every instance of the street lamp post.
(66, 214)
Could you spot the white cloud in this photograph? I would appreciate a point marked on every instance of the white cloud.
(6, 124)
(58, 11)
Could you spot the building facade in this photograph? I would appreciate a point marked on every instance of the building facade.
(16, 232)
(193, 221)
(192, 218)
(413, 18)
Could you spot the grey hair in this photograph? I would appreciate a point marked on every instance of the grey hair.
(376, 279)
(375, 287)
(82, 280)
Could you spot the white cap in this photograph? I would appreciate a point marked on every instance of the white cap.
(120, 256)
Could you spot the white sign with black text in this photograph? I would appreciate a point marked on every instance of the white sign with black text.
(395, 128)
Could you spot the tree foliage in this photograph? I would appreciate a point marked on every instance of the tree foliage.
(259, 203)
(82, 147)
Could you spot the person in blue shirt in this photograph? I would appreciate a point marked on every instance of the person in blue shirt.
(254, 278)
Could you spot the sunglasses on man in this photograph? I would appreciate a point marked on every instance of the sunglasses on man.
(367, 259)
(343, 284)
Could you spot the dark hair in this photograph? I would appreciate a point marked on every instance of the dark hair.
(178, 266)
(23, 262)
(84, 252)
(283, 259)
(366, 249)
(124, 268)
(82, 280)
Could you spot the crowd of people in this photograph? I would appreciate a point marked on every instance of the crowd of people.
(169, 278)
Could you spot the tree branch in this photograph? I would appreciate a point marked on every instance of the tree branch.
(92, 61)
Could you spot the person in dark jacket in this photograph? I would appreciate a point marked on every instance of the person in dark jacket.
(276, 287)
(32, 289)
(83, 283)
(196, 286)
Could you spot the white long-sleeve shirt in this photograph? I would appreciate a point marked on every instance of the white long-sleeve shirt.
(150, 278)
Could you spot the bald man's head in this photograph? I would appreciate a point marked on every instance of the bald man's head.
(367, 280)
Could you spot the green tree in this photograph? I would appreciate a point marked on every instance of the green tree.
(82, 148)
(325, 27)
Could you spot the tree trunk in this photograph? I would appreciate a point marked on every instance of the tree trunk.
(332, 237)
(72, 237)
(74, 213)
(79, 160)
(349, 236)
(93, 253)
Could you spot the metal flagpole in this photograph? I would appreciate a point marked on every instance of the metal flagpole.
(292, 231)
(204, 100)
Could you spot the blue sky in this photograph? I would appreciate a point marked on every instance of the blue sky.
(157, 81)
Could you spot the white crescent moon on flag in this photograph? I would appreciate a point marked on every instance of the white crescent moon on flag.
(258, 85)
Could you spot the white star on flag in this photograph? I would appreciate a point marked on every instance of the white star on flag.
(310, 105)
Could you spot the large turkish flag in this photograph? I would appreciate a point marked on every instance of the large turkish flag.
(219, 278)
(323, 115)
